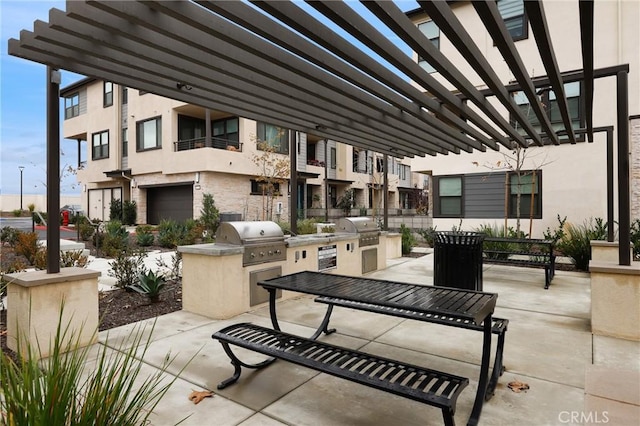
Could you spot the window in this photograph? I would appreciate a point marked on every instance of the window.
(261, 187)
(72, 106)
(100, 145)
(528, 187)
(227, 130)
(149, 134)
(549, 101)
(107, 94)
(332, 156)
(449, 198)
(432, 32)
(403, 171)
(125, 142)
(512, 12)
(379, 165)
(333, 196)
(274, 136)
(124, 95)
(370, 165)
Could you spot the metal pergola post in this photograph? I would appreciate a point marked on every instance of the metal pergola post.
(53, 170)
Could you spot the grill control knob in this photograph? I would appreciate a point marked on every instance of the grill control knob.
(278, 252)
(261, 253)
(270, 253)
(253, 255)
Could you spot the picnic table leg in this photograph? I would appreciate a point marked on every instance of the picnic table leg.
(498, 368)
(238, 364)
(484, 372)
(323, 328)
(272, 308)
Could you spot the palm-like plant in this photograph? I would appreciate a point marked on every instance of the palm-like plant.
(151, 284)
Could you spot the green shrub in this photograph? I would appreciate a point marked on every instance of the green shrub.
(209, 216)
(17, 212)
(168, 233)
(115, 210)
(408, 240)
(634, 236)
(38, 217)
(576, 241)
(9, 235)
(86, 231)
(144, 235)
(307, 226)
(328, 229)
(129, 212)
(66, 389)
(286, 227)
(115, 239)
(150, 284)
(127, 266)
(428, 235)
(31, 207)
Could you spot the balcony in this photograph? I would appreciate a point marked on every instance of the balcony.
(217, 143)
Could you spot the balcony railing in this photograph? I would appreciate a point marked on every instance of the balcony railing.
(217, 143)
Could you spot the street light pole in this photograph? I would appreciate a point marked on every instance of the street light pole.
(21, 170)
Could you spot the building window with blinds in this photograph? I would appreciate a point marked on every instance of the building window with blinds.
(512, 12)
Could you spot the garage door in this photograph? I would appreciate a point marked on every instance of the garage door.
(169, 202)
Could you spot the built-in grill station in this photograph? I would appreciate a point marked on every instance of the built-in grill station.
(368, 235)
(263, 241)
(367, 230)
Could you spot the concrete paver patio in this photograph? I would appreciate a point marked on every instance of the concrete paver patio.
(549, 346)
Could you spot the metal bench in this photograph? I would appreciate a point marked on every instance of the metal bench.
(521, 252)
(499, 327)
(420, 384)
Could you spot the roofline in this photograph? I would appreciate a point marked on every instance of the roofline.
(74, 86)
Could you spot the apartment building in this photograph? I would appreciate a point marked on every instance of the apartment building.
(567, 180)
(166, 154)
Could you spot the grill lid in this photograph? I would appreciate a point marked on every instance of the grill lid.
(249, 233)
(356, 225)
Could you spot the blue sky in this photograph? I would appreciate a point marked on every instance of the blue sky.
(23, 104)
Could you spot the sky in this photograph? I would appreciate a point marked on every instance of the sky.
(23, 105)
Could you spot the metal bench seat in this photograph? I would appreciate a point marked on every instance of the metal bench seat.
(428, 386)
(499, 327)
(519, 252)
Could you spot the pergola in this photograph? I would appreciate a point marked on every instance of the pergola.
(274, 62)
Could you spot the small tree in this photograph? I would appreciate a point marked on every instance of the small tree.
(273, 171)
(347, 201)
(209, 215)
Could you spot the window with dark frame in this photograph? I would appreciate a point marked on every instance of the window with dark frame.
(125, 142)
(72, 106)
(574, 93)
(449, 196)
(332, 157)
(261, 187)
(432, 32)
(528, 186)
(124, 94)
(100, 145)
(274, 136)
(515, 18)
(226, 129)
(149, 134)
(107, 94)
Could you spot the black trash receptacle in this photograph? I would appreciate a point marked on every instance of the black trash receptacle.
(458, 260)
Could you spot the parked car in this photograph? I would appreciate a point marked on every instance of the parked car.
(73, 209)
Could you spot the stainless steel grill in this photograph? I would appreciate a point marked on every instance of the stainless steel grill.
(263, 241)
(367, 230)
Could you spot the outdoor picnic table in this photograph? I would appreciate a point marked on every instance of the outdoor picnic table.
(453, 303)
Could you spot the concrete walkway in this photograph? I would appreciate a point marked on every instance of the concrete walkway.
(549, 346)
